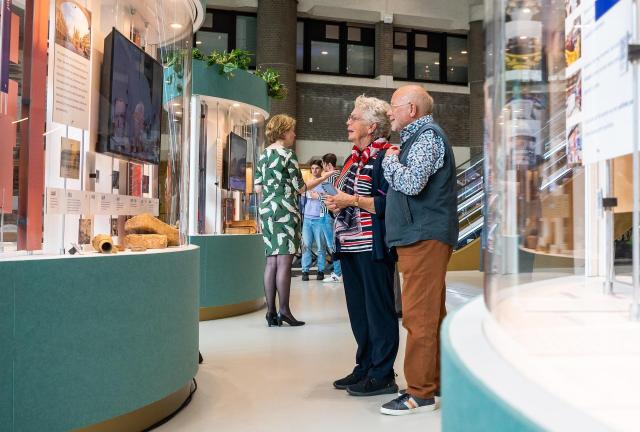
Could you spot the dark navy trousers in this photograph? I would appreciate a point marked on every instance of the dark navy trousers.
(368, 287)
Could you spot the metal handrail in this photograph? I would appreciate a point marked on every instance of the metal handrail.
(471, 229)
(470, 190)
(468, 203)
(555, 177)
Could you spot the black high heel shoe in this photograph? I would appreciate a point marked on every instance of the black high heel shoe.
(289, 320)
(272, 319)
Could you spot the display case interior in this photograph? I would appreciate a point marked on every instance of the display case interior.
(96, 133)
(227, 141)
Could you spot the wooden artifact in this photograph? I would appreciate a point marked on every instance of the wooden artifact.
(103, 243)
(142, 242)
(147, 224)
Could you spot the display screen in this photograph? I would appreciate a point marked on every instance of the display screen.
(131, 103)
(237, 163)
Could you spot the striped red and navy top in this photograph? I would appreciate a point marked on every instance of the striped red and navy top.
(362, 241)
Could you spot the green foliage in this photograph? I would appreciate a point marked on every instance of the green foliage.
(229, 61)
(240, 59)
(275, 89)
(197, 54)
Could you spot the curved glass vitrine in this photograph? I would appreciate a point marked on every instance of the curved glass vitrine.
(96, 112)
(559, 133)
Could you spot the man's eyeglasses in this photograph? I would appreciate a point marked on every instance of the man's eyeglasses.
(400, 105)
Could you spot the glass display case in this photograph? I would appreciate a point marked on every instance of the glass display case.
(94, 118)
(560, 133)
(227, 141)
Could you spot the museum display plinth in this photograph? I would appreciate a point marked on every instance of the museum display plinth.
(90, 338)
(484, 389)
(231, 274)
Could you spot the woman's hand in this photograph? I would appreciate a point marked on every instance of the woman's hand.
(339, 201)
(327, 174)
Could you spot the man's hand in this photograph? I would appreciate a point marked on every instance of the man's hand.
(392, 151)
(339, 201)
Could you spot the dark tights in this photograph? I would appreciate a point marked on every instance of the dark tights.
(277, 278)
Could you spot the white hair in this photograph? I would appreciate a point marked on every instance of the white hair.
(374, 110)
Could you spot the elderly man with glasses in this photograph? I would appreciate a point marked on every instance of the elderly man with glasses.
(422, 225)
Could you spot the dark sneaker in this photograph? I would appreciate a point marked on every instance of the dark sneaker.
(320, 275)
(436, 395)
(350, 379)
(373, 387)
(407, 404)
(305, 276)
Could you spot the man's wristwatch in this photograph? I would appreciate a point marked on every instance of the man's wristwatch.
(355, 201)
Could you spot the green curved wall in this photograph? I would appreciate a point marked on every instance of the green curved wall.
(243, 87)
(467, 404)
(231, 268)
(85, 339)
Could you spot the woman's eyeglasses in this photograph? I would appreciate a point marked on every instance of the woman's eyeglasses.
(353, 118)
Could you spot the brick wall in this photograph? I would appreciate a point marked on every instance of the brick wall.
(330, 105)
(277, 46)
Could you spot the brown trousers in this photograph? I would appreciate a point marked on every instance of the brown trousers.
(423, 266)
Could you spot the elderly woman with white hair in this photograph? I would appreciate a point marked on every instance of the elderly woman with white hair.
(367, 264)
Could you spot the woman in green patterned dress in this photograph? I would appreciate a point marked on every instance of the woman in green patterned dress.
(278, 178)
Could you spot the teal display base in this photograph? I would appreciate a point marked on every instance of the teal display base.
(88, 338)
(483, 391)
(231, 274)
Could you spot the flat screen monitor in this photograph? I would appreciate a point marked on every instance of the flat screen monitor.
(235, 163)
(131, 101)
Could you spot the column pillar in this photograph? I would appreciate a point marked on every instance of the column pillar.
(476, 80)
(384, 49)
(276, 33)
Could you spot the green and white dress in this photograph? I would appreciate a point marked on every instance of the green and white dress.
(278, 172)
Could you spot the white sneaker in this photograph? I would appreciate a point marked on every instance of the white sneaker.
(334, 278)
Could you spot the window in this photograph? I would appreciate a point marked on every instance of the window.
(457, 60)
(300, 46)
(335, 48)
(428, 56)
(226, 30)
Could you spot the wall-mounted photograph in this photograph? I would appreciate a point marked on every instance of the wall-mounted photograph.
(73, 27)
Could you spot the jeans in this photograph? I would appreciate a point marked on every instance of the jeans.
(327, 229)
(312, 232)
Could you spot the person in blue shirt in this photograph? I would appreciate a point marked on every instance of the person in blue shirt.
(312, 230)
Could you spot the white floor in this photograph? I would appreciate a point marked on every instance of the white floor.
(256, 378)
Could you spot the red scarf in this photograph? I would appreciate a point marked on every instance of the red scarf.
(362, 157)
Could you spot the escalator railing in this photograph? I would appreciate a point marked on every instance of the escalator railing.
(470, 180)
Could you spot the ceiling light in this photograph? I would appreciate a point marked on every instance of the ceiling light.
(463, 52)
(178, 113)
(198, 42)
(526, 10)
(523, 37)
(255, 120)
(436, 63)
(176, 104)
(450, 58)
(324, 52)
(236, 105)
(176, 25)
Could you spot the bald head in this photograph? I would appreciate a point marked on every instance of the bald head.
(408, 104)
